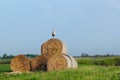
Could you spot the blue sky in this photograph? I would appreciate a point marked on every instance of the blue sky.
(90, 26)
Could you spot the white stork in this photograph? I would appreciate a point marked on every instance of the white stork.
(53, 33)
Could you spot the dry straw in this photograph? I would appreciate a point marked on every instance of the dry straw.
(38, 63)
(56, 63)
(61, 61)
(72, 63)
(20, 64)
(53, 47)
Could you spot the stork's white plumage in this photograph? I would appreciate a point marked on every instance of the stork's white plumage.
(53, 33)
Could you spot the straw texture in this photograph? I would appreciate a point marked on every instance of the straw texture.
(20, 64)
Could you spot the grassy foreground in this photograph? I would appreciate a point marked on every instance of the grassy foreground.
(84, 72)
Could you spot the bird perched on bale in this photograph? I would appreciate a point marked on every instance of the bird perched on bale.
(53, 33)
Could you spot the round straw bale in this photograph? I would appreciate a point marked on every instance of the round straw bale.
(53, 47)
(61, 61)
(38, 63)
(56, 63)
(20, 64)
(72, 63)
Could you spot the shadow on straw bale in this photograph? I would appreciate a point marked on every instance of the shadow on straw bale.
(39, 63)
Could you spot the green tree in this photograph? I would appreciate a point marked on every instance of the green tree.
(4, 56)
(84, 55)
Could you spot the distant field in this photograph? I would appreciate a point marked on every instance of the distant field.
(84, 72)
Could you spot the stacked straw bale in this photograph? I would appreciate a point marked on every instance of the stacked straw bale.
(56, 63)
(55, 52)
(20, 64)
(38, 63)
(61, 61)
(53, 47)
(54, 57)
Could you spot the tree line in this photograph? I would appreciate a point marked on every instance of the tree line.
(6, 56)
(97, 55)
